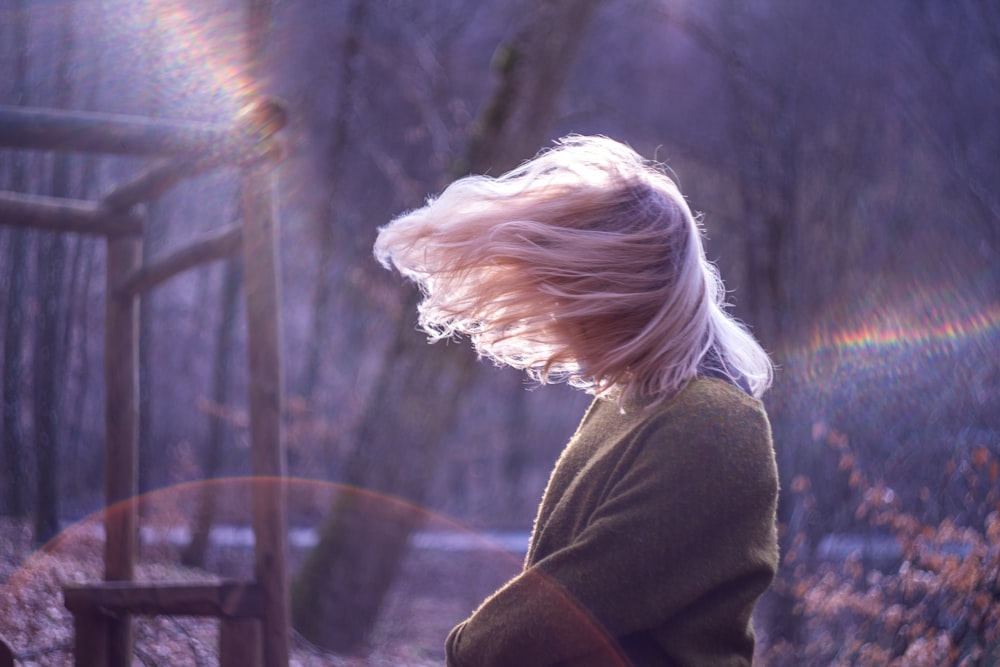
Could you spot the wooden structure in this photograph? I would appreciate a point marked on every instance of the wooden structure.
(254, 625)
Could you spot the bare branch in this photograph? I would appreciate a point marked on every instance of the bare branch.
(720, 46)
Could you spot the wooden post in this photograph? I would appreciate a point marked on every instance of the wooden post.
(239, 642)
(121, 419)
(91, 634)
(267, 448)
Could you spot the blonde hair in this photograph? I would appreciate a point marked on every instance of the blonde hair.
(583, 265)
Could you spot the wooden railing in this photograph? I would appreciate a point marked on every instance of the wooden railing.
(240, 608)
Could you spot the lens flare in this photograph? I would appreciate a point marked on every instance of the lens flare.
(74, 556)
(884, 343)
(934, 327)
(195, 55)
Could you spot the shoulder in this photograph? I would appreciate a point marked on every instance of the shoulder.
(706, 408)
(716, 394)
(711, 426)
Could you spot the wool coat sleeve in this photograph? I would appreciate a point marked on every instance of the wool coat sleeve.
(675, 553)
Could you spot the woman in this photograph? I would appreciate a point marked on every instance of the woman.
(656, 533)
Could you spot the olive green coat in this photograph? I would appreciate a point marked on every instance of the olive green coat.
(654, 540)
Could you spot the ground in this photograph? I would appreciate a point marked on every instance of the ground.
(434, 590)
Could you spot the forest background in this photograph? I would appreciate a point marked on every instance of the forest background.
(843, 156)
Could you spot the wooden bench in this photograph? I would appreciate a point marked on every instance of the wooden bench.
(103, 609)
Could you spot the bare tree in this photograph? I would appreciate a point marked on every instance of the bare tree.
(13, 435)
(150, 456)
(763, 128)
(219, 433)
(334, 160)
(48, 372)
(338, 591)
(952, 54)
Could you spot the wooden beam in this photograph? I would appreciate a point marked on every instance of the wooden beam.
(54, 129)
(121, 422)
(211, 247)
(154, 181)
(65, 215)
(116, 134)
(218, 600)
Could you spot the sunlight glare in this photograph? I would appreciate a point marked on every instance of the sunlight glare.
(196, 56)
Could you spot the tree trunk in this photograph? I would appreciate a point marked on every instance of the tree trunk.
(517, 451)
(326, 216)
(218, 435)
(47, 385)
(13, 434)
(339, 590)
(763, 126)
(152, 455)
(79, 458)
(48, 372)
(74, 341)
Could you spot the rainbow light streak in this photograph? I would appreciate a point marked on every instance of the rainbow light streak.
(199, 55)
(893, 338)
(896, 331)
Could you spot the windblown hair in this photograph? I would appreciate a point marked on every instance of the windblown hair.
(583, 265)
